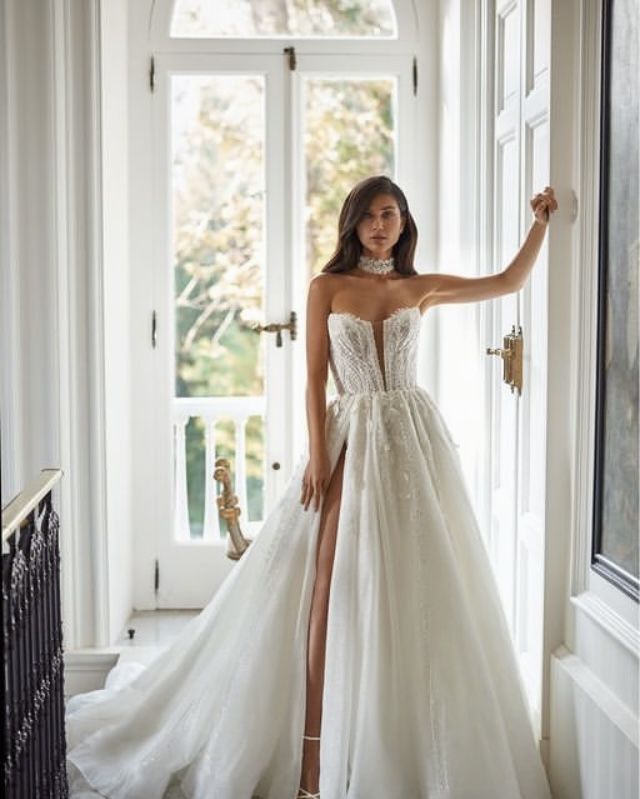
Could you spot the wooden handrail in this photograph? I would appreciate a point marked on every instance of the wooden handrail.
(17, 511)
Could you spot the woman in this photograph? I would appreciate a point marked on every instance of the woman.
(360, 649)
(371, 286)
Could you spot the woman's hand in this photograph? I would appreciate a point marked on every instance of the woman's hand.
(543, 205)
(316, 478)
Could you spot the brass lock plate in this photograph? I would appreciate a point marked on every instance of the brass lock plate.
(511, 354)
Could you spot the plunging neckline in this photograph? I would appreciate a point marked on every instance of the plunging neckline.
(380, 348)
(396, 312)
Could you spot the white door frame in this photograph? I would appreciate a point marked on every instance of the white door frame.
(188, 569)
(547, 119)
(149, 37)
(204, 561)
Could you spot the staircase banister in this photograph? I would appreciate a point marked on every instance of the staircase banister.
(19, 508)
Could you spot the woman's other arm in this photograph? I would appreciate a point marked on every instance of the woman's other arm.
(443, 288)
(318, 308)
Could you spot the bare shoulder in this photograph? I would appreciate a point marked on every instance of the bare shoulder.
(322, 288)
(323, 279)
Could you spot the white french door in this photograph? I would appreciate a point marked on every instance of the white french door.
(252, 160)
(219, 269)
(520, 122)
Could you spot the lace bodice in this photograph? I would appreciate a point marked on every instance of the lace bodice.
(378, 355)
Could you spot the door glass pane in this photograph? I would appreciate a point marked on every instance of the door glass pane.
(355, 18)
(349, 134)
(218, 245)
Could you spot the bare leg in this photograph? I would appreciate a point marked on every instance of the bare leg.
(328, 527)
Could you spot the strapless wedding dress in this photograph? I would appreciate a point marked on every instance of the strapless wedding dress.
(422, 694)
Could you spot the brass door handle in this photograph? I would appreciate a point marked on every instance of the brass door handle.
(511, 354)
(277, 328)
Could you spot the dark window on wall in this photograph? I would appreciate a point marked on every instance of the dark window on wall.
(615, 509)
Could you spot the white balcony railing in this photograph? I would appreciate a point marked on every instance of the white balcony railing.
(210, 410)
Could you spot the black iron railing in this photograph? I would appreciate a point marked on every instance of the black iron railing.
(35, 746)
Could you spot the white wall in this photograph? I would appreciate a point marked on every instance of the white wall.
(28, 355)
(38, 308)
(64, 302)
(594, 677)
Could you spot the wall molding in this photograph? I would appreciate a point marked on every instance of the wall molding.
(95, 301)
(599, 693)
(594, 749)
(611, 622)
(87, 669)
(584, 306)
(12, 464)
(77, 207)
(67, 375)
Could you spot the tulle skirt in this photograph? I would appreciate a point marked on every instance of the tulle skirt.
(422, 694)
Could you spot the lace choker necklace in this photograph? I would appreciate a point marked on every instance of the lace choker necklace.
(378, 266)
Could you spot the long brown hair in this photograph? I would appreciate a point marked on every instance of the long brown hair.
(349, 248)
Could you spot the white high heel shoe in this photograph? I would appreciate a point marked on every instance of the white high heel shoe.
(302, 792)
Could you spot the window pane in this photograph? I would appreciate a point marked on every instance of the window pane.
(314, 18)
(218, 250)
(348, 135)
(617, 417)
(218, 210)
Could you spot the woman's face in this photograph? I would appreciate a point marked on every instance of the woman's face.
(380, 226)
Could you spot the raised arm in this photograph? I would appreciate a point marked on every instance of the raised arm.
(442, 288)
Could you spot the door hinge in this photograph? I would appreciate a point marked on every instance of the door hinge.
(154, 330)
(152, 74)
(291, 52)
(415, 75)
(156, 576)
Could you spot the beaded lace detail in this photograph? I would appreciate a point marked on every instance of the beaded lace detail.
(378, 355)
(377, 266)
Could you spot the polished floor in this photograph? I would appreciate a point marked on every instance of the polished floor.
(153, 631)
